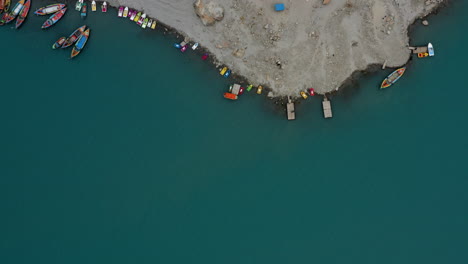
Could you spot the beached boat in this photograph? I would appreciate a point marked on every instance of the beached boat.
(393, 77)
(50, 9)
(303, 94)
(59, 43)
(230, 96)
(223, 71)
(120, 13)
(195, 46)
(80, 44)
(145, 23)
(23, 14)
(153, 26)
(137, 17)
(423, 54)
(78, 5)
(73, 37)
(84, 11)
(14, 12)
(430, 49)
(125, 12)
(311, 91)
(142, 18)
(104, 7)
(259, 89)
(54, 18)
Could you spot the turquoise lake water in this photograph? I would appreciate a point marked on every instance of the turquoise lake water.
(130, 154)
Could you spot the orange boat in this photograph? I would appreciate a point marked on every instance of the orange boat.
(230, 96)
(423, 54)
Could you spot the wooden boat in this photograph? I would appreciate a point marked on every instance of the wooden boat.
(54, 18)
(59, 43)
(223, 71)
(78, 5)
(153, 26)
(23, 14)
(73, 37)
(430, 49)
(93, 6)
(125, 12)
(230, 96)
(393, 77)
(14, 12)
(50, 9)
(142, 18)
(423, 54)
(104, 7)
(80, 44)
(259, 89)
(120, 13)
(303, 94)
(137, 17)
(84, 10)
(5, 6)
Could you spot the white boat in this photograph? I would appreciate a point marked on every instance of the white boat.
(142, 18)
(79, 4)
(125, 13)
(195, 46)
(150, 22)
(430, 49)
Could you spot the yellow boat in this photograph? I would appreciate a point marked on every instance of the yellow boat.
(93, 6)
(423, 54)
(259, 89)
(153, 26)
(137, 17)
(303, 94)
(223, 71)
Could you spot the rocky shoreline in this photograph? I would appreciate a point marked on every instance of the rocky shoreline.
(256, 69)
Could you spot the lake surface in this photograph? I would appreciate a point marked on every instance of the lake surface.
(130, 154)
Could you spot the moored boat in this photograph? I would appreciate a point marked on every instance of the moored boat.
(153, 26)
(93, 6)
(142, 18)
(311, 91)
(184, 48)
(195, 46)
(120, 13)
(205, 56)
(125, 12)
(259, 89)
(23, 14)
(228, 72)
(50, 9)
(392, 77)
(303, 94)
(6, 6)
(59, 43)
(423, 54)
(104, 7)
(230, 96)
(84, 10)
(150, 22)
(430, 49)
(133, 15)
(223, 71)
(54, 18)
(137, 17)
(80, 44)
(73, 37)
(249, 87)
(145, 22)
(78, 5)
(14, 12)
(177, 46)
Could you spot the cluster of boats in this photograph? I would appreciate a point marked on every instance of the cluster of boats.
(140, 18)
(57, 11)
(236, 90)
(79, 37)
(82, 7)
(20, 11)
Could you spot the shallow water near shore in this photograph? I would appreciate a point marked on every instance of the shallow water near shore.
(130, 154)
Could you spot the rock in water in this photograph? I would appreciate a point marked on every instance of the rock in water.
(425, 22)
(209, 13)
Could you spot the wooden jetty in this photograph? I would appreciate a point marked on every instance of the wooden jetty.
(290, 109)
(327, 111)
(417, 50)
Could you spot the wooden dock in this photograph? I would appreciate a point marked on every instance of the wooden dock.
(290, 109)
(417, 50)
(327, 111)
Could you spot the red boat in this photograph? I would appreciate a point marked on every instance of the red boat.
(205, 56)
(311, 91)
(23, 14)
(230, 96)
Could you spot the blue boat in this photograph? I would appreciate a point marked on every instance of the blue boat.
(177, 46)
(228, 72)
(80, 44)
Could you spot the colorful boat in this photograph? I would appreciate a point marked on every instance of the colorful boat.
(14, 12)
(423, 54)
(303, 94)
(120, 13)
(133, 15)
(142, 18)
(145, 23)
(205, 56)
(184, 48)
(93, 6)
(228, 72)
(50, 9)
(80, 44)
(430, 49)
(150, 22)
(137, 17)
(23, 14)
(311, 91)
(125, 12)
(59, 43)
(223, 71)
(78, 5)
(54, 18)
(4, 6)
(73, 37)
(230, 96)
(249, 87)
(84, 10)
(259, 89)
(393, 77)
(104, 7)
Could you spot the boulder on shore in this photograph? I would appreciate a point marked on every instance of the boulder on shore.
(209, 12)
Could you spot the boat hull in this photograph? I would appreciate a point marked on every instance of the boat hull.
(73, 37)
(392, 78)
(54, 19)
(80, 44)
(23, 14)
(50, 9)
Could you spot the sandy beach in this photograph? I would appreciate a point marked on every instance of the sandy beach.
(309, 44)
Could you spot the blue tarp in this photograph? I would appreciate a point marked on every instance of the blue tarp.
(279, 7)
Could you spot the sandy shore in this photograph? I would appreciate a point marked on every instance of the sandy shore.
(307, 45)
